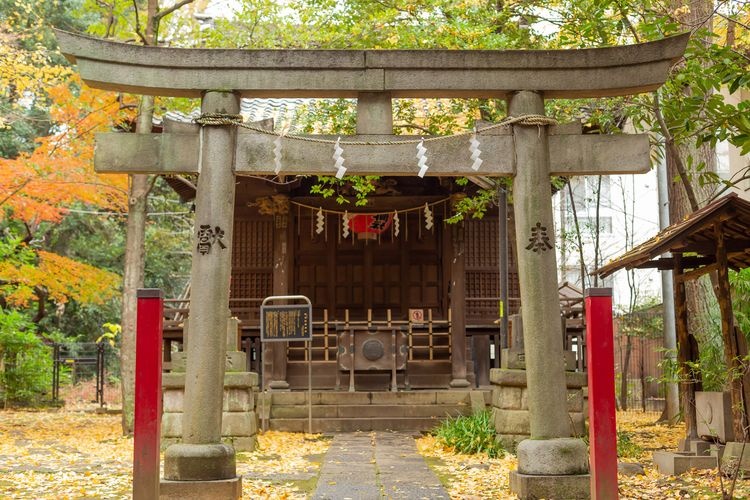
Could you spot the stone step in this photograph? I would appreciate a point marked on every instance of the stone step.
(446, 397)
(365, 411)
(415, 424)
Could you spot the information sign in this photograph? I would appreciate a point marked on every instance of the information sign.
(285, 322)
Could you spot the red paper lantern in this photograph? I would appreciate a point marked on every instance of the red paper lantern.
(368, 227)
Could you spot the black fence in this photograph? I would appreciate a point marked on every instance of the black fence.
(80, 361)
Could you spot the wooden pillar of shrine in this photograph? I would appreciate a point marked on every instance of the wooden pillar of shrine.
(687, 386)
(728, 333)
(282, 269)
(458, 303)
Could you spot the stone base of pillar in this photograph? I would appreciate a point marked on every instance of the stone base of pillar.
(551, 468)
(528, 486)
(278, 385)
(239, 423)
(199, 462)
(553, 457)
(225, 489)
(511, 410)
(459, 383)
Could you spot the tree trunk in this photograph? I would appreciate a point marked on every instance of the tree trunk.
(132, 280)
(642, 374)
(133, 273)
(135, 245)
(624, 369)
(681, 203)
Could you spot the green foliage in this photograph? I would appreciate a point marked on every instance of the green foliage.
(475, 206)
(360, 185)
(470, 434)
(626, 447)
(25, 362)
(711, 365)
(740, 283)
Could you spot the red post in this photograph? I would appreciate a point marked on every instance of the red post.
(147, 425)
(600, 357)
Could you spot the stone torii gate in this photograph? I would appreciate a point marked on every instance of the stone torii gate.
(528, 153)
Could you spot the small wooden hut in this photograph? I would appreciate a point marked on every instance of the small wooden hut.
(711, 240)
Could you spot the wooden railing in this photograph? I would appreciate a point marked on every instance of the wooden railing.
(429, 340)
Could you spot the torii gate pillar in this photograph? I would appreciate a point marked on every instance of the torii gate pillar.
(201, 456)
(551, 463)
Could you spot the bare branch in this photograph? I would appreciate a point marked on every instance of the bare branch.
(20, 187)
(138, 24)
(672, 147)
(418, 127)
(159, 15)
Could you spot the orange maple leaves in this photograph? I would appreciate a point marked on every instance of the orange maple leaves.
(39, 186)
(62, 279)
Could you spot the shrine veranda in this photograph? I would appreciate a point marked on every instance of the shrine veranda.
(279, 241)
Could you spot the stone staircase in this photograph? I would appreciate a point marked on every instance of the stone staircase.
(334, 411)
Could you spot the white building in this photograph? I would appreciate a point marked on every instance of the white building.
(628, 215)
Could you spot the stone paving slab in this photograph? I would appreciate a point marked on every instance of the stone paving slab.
(376, 465)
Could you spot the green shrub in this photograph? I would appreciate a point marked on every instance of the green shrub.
(470, 434)
(25, 362)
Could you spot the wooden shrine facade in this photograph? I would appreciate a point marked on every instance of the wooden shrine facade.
(374, 280)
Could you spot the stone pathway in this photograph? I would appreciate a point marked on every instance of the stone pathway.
(376, 465)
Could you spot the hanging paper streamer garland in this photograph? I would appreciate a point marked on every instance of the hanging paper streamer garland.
(339, 159)
(345, 225)
(428, 220)
(321, 223)
(396, 225)
(475, 151)
(421, 159)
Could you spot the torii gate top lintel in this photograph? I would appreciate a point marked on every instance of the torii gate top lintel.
(164, 71)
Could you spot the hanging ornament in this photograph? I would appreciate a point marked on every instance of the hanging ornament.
(277, 155)
(475, 151)
(321, 222)
(428, 221)
(396, 225)
(338, 159)
(369, 226)
(421, 159)
(345, 225)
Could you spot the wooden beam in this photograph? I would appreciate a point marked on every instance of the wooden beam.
(733, 246)
(667, 263)
(734, 364)
(178, 153)
(687, 386)
(697, 273)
